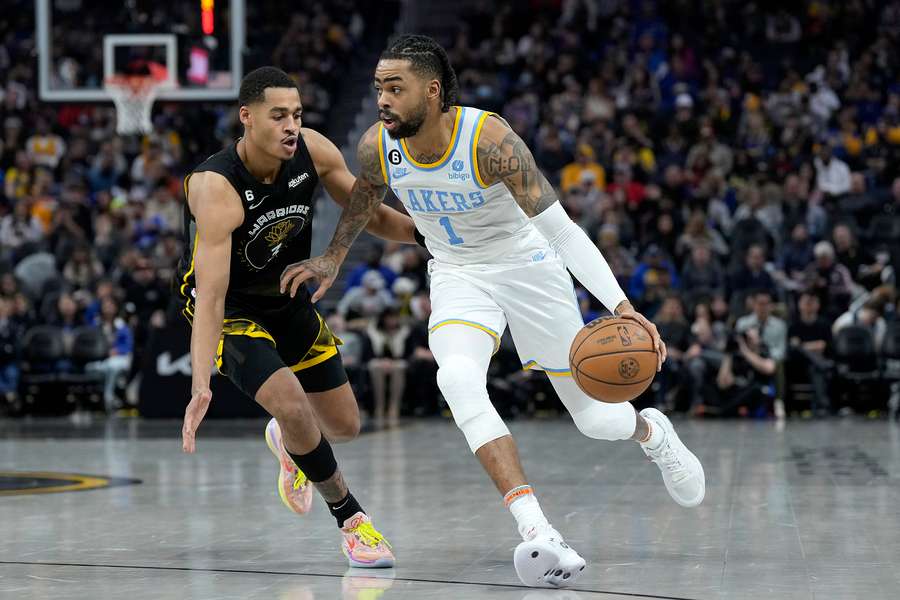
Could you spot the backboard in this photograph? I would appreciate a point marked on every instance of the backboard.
(81, 43)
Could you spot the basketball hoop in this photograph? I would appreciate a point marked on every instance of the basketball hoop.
(133, 96)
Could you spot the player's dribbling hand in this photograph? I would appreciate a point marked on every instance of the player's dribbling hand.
(193, 415)
(627, 312)
(323, 269)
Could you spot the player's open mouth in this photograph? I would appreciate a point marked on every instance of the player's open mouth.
(388, 123)
(290, 143)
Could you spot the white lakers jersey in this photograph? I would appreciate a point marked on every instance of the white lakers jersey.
(463, 220)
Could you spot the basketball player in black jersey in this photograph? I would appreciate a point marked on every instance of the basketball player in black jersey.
(248, 216)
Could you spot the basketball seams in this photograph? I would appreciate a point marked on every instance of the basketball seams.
(611, 321)
(586, 376)
(573, 365)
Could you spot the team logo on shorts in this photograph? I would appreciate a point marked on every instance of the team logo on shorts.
(629, 368)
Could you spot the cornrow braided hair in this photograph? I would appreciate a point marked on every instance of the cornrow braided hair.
(428, 58)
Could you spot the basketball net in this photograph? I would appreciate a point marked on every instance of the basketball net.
(133, 96)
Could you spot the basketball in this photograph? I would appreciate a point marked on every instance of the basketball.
(612, 359)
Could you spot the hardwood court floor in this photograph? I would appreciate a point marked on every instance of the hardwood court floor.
(810, 510)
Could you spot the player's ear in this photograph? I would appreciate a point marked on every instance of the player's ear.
(245, 115)
(433, 90)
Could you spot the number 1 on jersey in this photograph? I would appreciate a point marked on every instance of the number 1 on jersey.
(454, 239)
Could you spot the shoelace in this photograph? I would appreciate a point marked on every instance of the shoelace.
(667, 457)
(368, 535)
(673, 464)
(299, 480)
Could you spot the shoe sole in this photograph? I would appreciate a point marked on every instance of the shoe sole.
(380, 563)
(699, 499)
(550, 562)
(281, 474)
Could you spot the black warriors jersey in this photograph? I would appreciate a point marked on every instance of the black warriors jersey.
(276, 230)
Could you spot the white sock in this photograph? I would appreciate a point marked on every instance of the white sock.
(525, 508)
(657, 435)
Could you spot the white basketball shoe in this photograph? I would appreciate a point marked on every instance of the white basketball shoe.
(547, 561)
(681, 470)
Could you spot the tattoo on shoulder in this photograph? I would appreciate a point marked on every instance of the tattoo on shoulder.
(369, 160)
(511, 162)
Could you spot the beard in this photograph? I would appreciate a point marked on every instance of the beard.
(408, 127)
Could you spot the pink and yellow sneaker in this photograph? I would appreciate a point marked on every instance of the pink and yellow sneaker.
(293, 486)
(363, 545)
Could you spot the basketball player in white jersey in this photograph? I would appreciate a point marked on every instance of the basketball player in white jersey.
(501, 243)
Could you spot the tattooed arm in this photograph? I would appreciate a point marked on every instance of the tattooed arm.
(502, 157)
(387, 223)
(365, 197)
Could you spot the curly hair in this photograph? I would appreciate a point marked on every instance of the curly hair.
(429, 59)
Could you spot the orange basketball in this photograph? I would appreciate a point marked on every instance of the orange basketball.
(612, 359)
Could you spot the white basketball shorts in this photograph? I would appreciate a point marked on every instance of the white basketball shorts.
(536, 299)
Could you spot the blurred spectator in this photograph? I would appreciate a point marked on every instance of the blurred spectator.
(45, 148)
(373, 262)
(832, 174)
(355, 351)
(151, 165)
(797, 253)
(756, 205)
(121, 347)
(810, 343)
(82, 269)
(17, 179)
(863, 267)
(702, 359)
(108, 166)
(829, 280)
(654, 276)
(369, 300)
(702, 274)
(421, 386)
(711, 152)
(675, 331)
(66, 314)
(11, 333)
(752, 275)
(697, 232)
(387, 368)
(868, 311)
(36, 272)
(771, 330)
(573, 174)
(165, 209)
(746, 378)
(20, 232)
(621, 260)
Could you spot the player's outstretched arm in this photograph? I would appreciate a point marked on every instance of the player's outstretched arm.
(367, 193)
(217, 211)
(502, 156)
(387, 223)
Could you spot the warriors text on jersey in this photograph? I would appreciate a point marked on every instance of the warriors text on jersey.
(275, 231)
(463, 220)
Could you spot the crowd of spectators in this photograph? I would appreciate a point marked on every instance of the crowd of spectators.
(738, 163)
(90, 222)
